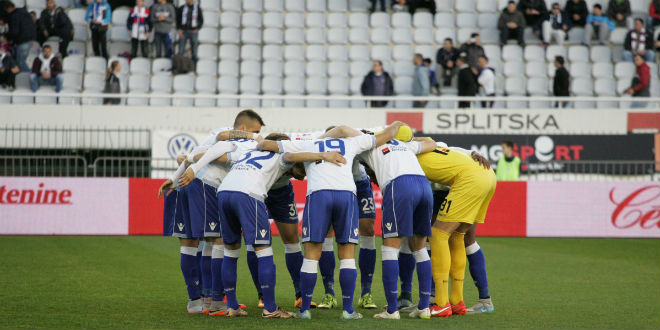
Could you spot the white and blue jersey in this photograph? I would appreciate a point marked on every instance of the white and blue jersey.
(331, 189)
(407, 196)
(242, 193)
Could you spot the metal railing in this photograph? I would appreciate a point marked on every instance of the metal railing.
(603, 170)
(134, 167)
(54, 166)
(40, 137)
(275, 99)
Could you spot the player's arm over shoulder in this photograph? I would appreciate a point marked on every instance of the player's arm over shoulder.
(420, 145)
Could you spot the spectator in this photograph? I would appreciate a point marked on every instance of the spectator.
(641, 83)
(508, 166)
(421, 83)
(139, 27)
(414, 4)
(472, 49)
(560, 84)
(4, 43)
(163, 15)
(556, 26)
(376, 83)
(619, 12)
(657, 44)
(638, 42)
(599, 24)
(189, 20)
(46, 70)
(446, 58)
(55, 22)
(373, 5)
(511, 24)
(654, 14)
(486, 80)
(399, 6)
(577, 12)
(22, 33)
(112, 85)
(99, 16)
(535, 12)
(8, 70)
(432, 79)
(467, 84)
(35, 20)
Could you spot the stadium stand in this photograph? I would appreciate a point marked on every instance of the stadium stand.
(308, 43)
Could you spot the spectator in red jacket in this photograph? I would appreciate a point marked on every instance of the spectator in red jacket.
(46, 70)
(654, 14)
(641, 83)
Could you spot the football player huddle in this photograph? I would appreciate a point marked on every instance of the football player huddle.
(235, 181)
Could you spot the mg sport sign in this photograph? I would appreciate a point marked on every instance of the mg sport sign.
(504, 121)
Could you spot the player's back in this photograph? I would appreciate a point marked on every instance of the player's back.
(327, 176)
(254, 173)
(443, 165)
(393, 159)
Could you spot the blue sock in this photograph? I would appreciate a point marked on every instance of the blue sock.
(189, 269)
(229, 276)
(406, 270)
(294, 260)
(390, 276)
(327, 266)
(267, 278)
(253, 265)
(307, 282)
(367, 262)
(478, 269)
(207, 278)
(424, 277)
(347, 281)
(198, 257)
(217, 289)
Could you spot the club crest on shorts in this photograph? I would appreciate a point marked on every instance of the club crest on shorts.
(355, 231)
(212, 225)
(263, 232)
(180, 225)
(388, 226)
(304, 230)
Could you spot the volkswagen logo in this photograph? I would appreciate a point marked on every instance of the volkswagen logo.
(181, 144)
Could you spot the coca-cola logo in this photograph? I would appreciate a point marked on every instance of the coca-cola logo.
(40, 195)
(640, 208)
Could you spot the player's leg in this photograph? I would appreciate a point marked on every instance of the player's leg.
(314, 232)
(231, 230)
(189, 244)
(390, 276)
(327, 265)
(253, 266)
(441, 262)
(218, 306)
(439, 195)
(197, 212)
(345, 221)
(206, 246)
(477, 263)
(406, 272)
(367, 253)
(421, 222)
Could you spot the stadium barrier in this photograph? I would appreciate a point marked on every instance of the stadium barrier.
(123, 206)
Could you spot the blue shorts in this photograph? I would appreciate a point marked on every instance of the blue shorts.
(240, 212)
(282, 204)
(203, 210)
(169, 211)
(438, 197)
(407, 207)
(365, 196)
(331, 207)
(182, 225)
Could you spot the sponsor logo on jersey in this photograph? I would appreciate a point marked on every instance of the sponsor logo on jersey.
(385, 150)
(181, 144)
(39, 195)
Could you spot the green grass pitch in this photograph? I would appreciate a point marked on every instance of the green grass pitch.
(135, 282)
